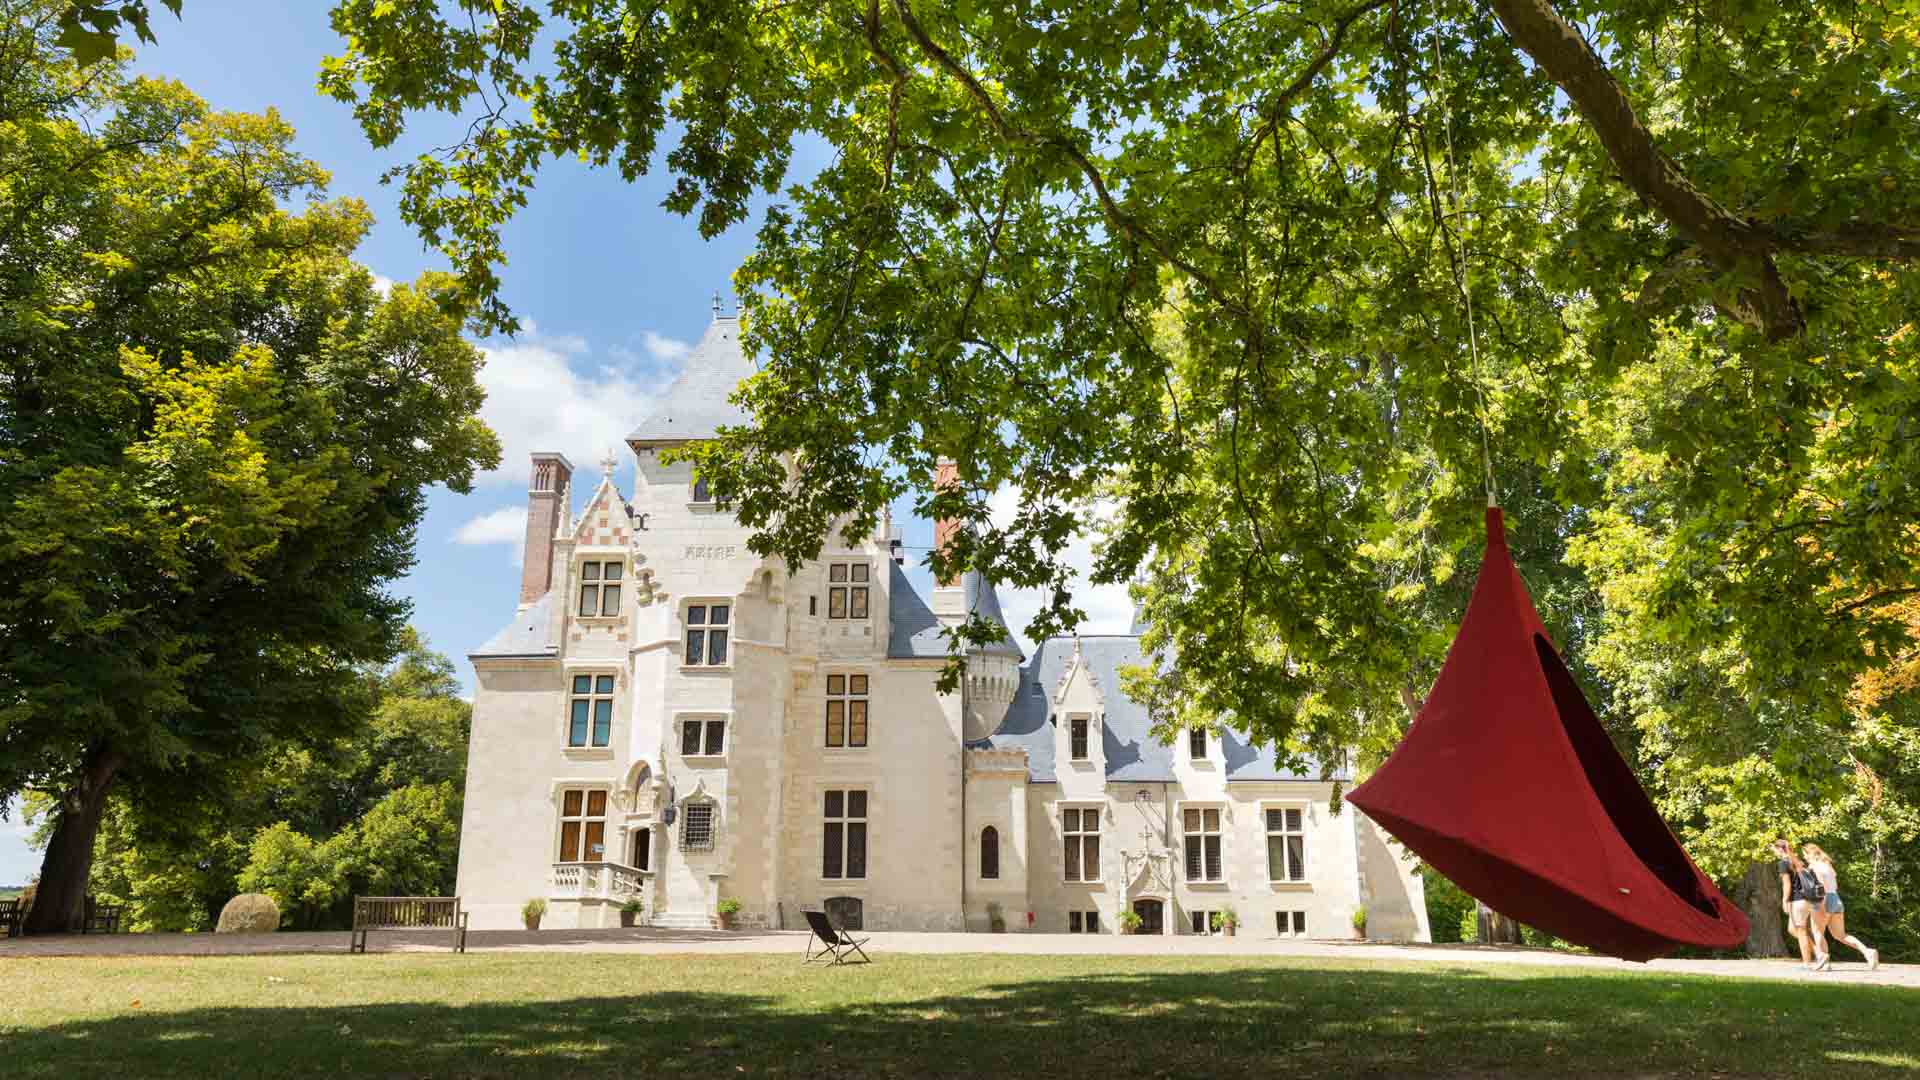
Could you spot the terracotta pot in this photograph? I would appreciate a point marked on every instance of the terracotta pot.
(725, 921)
(627, 918)
(1359, 933)
(532, 923)
(1227, 930)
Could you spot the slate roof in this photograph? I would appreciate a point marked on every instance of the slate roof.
(1132, 753)
(526, 635)
(983, 600)
(915, 632)
(696, 405)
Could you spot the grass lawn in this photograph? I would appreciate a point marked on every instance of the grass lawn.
(549, 1014)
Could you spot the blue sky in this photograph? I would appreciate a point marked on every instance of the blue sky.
(611, 287)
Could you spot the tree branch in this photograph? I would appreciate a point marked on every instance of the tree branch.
(1732, 242)
(1110, 207)
(1857, 239)
(1276, 110)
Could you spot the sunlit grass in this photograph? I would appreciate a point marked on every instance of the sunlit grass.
(997, 1015)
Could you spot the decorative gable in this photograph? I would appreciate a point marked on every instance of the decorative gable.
(607, 520)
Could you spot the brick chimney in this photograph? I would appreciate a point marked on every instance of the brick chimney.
(945, 474)
(547, 494)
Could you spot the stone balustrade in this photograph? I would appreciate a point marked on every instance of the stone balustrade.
(598, 881)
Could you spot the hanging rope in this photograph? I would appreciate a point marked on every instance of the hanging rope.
(1460, 263)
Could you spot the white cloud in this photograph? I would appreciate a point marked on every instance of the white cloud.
(543, 395)
(382, 284)
(507, 525)
(663, 348)
(1109, 609)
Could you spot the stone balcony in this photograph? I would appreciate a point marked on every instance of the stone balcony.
(599, 881)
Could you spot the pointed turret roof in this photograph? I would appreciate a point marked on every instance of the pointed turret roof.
(696, 406)
(982, 600)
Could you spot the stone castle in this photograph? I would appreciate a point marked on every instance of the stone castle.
(673, 720)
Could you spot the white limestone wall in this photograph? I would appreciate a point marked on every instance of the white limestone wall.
(517, 763)
(996, 798)
(1395, 895)
(910, 770)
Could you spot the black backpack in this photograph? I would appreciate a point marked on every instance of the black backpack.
(1810, 886)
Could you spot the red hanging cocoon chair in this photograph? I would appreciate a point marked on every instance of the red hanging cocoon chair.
(1507, 784)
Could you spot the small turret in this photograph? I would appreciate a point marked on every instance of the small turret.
(993, 670)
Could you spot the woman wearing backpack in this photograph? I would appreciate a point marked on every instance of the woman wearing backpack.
(1829, 914)
(1796, 882)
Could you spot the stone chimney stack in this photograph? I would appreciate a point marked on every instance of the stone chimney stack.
(552, 475)
(945, 474)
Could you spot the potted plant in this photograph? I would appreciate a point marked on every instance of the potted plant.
(726, 910)
(630, 911)
(1129, 922)
(996, 918)
(532, 912)
(1360, 923)
(1226, 920)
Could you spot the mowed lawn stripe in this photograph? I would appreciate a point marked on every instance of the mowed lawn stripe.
(999, 1015)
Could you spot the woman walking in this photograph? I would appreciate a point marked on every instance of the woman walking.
(1796, 885)
(1829, 914)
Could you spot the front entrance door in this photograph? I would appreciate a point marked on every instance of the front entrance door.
(1152, 914)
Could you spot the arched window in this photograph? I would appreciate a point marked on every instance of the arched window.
(990, 852)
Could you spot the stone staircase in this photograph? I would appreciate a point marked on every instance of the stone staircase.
(681, 920)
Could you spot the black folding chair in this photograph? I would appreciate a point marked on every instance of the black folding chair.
(833, 944)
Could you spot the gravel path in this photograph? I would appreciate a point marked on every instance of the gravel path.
(648, 940)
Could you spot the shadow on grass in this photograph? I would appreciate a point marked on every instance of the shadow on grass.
(759, 1020)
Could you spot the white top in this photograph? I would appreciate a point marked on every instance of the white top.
(1829, 880)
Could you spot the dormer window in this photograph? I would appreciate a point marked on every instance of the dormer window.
(1197, 743)
(1077, 736)
(847, 586)
(600, 589)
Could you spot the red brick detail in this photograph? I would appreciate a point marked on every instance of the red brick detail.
(945, 474)
(550, 478)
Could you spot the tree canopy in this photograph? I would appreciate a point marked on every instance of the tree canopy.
(1262, 278)
(1207, 261)
(216, 437)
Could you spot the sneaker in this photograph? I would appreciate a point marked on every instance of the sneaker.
(1823, 963)
(1873, 959)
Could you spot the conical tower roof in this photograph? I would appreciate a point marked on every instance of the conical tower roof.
(982, 600)
(696, 406)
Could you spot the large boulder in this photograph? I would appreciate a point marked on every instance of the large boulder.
(249, 913)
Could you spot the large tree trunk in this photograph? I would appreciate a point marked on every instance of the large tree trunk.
(59, 901)
(1758, 894)
(1495, 928)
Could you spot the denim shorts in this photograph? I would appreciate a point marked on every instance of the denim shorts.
(1832, 905)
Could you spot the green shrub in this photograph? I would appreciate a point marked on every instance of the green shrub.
(633, 907)
(249, 913)
(728, 907)
(1450, 911)
(533, 910)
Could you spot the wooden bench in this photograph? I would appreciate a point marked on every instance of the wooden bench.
(11, 916)
(100, 918)
(407, 913)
